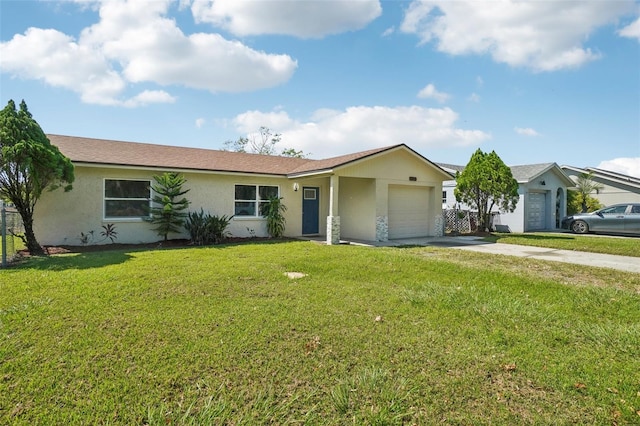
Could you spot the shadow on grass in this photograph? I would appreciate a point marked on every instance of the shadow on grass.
(99, 256)
(74, 261)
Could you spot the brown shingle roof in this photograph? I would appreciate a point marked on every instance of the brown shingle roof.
(330, 163)
(100, 151)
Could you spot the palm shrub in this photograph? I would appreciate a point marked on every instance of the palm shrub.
(206, 229)
(273, 211)
(576, 201)
(168, 209)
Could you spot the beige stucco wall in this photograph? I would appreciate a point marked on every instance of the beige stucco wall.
(61, 217)
(357, 212)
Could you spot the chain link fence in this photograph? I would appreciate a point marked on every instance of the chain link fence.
(10, 226)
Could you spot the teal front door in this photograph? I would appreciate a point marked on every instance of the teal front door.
(310, 210)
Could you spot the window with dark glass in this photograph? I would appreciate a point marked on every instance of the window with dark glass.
(125, 199)
(250, 199)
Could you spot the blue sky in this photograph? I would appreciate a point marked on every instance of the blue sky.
(536, 81)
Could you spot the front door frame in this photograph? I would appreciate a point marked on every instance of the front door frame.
(310, 211)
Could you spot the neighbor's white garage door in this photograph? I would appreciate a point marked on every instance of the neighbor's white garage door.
(408, 211)
(537, 207)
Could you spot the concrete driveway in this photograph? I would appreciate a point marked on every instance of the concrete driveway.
(621, 263)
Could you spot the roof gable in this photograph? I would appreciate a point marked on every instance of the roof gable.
(607, 176)
(331, 164)
(527, 172)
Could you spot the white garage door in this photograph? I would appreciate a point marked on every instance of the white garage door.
(408, 211)
(535, 217)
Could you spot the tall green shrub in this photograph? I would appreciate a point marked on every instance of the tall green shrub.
(484, 183)
(168, 209)
(273, 211)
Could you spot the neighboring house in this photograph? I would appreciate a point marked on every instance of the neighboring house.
(374, 195)
(542, 203)
(616, 187)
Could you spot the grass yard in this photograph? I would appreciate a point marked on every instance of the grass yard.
(220, 335)
(628, 246)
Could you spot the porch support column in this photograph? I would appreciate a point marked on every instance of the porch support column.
(333, 220)
(382, 210)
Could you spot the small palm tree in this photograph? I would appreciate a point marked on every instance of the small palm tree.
(586, 185)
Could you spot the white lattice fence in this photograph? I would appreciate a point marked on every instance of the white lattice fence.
(460, 221)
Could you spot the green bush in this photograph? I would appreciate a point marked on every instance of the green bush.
(273, 211)
(206, 229)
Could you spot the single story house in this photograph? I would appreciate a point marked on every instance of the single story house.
(543, 197)
(375, 195)
(616, 187)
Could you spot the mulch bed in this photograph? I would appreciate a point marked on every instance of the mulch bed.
(176, 243)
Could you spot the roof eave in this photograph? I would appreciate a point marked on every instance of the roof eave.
(172, 168)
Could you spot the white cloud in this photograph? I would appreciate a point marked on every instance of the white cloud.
(149, 97)
(632, 30)
(474, 97)
(626, 166)
(200, 122)
(59, 61)
(479, 81)
(336, 132)
(541, 35)
(430, 92)
(134, 42)
(526, 131)
(389, 31)
(304, 19)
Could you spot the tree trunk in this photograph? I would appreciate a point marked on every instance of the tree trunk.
(35, 249)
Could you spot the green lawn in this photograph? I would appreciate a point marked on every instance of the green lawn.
(220, 335)
(14, 244)
(628, 246)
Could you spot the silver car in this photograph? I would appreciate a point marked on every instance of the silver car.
(615, 219)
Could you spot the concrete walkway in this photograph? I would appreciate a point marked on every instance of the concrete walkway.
(621, 263)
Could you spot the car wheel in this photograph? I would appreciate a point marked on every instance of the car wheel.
(580, 227)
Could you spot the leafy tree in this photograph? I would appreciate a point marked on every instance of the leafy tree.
(264, 142)
(585, 185)
(291, 152)
(484, 183)
(29, 164)
(168, 210)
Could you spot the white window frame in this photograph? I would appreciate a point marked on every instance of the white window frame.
(257, 201)
(123, 218)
